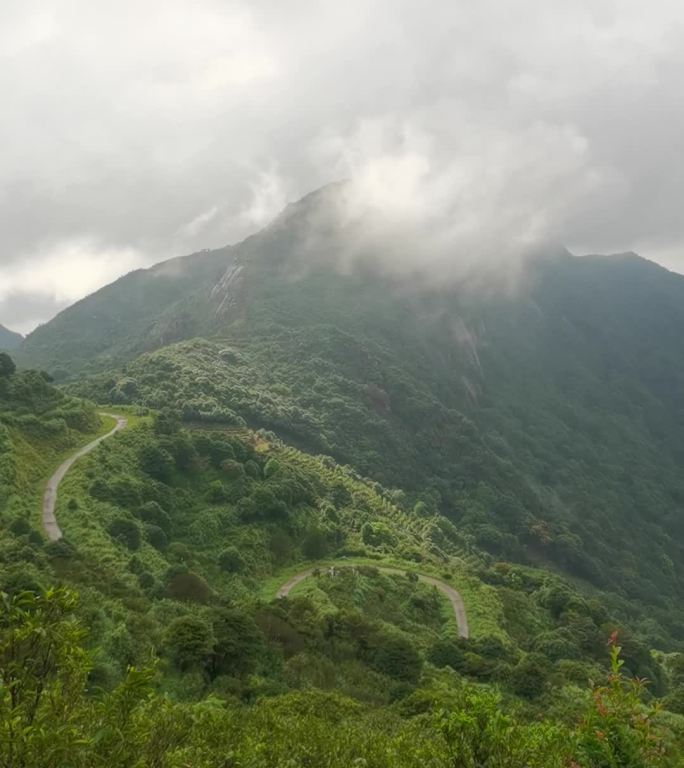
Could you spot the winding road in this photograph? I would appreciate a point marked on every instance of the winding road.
(447, 590)
(54, 533)
(52, 530)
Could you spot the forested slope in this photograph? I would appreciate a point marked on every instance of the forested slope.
(546, 425)
(525, 446)
(177, 539)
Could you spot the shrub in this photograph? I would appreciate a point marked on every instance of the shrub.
(146, 580)
(152, 512)
(447, 653)
(230, 560)
(156, 462)
(189, 641)
(189, 587)
(315, 544)
(126, 531)
(396, 657)
(20, 527)
(232, 468)
(528, 677)
(156, 537)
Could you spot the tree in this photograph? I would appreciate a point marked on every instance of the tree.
(271, 468)
(396, 657)
(156, 536)
(447, 653)
(378, 534)
(36, 637)
(7, 366)
(46, 718)
(126, 531)
(230, 560)
(189, 641)
(238, 643)
(156, 462)
(315, 544)
(529, 676)
(188, 586)
(152, 512)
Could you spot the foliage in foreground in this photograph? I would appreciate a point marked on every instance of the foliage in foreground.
(49, 718)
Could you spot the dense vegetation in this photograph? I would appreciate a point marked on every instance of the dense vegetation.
(281, 416)
(48, 718)
(544, 455)
(176, 540)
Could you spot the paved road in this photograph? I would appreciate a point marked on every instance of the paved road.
(448, 591)
(52, 530)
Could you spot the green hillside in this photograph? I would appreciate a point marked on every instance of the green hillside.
(177, 539)
(286, 415)
(546, 424)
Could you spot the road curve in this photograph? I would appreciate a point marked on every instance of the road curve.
(447, 590)
(52, 530)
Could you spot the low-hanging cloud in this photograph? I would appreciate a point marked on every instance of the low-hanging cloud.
(156, 129)
(482, 207)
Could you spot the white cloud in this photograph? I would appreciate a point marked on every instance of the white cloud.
(67, 271)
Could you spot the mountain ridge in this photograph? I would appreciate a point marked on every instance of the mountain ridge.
(9, 339)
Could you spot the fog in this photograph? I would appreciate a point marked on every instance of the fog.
(134, 132)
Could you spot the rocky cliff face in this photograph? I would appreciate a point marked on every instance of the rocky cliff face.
(228, 295)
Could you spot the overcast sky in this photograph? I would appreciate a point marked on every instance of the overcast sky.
(134, 131)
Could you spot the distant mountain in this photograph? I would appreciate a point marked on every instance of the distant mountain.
(9, 339)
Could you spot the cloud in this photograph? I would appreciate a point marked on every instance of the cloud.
(494, 197)
(57, 276)
(161, 128)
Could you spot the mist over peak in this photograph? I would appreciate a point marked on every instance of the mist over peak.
(351, 225)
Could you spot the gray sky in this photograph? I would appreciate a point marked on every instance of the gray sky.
(135, 131)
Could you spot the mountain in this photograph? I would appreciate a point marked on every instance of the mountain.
(9, 339)
(297, 417)
(545, 422)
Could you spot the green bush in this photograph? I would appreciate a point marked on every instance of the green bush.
(529, 676)
(189, 642)
(231, 561)
(152, 512)
(189, 587)
(156, 536)
(125, 531)
(396, 657)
